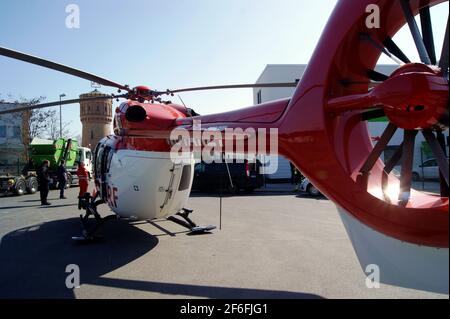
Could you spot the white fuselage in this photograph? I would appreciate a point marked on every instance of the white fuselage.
(147, 185)
(399, 263)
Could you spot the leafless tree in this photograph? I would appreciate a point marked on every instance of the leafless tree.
(42, 123)
(52, 132)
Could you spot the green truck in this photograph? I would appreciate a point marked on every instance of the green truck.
(11, 182)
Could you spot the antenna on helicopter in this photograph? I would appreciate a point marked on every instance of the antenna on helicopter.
(181, 100)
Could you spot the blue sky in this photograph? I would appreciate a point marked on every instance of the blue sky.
(162, 44)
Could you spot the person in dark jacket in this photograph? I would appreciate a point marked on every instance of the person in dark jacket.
(296, 176)
(62, 179)
(44, 181)
(29, 166)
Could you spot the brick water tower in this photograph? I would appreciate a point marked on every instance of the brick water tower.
(96, 118)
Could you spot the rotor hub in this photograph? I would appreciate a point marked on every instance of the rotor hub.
(141, 93)
(415, 97)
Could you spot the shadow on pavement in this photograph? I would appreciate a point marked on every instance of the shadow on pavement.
(203, 291)
(33, 260)
(33, 263)
(304, 195)
(56, 206)
(36, 206)
(19, 206)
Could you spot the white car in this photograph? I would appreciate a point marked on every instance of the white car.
(308, 187)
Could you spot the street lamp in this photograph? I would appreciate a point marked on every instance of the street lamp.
(60, 115)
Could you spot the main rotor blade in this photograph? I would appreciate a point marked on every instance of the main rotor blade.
(59, 67)
(233, 86)
(427, 33)
(23, 107)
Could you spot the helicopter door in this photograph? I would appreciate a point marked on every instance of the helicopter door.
(104, 168)
(170, 192)
(97, 161)
(101, 167)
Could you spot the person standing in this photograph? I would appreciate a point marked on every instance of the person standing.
(294, 176)
(62, 179)
(293, 172)
(43, 180)
(83, 176)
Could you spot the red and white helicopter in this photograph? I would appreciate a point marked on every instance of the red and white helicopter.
(403, 231)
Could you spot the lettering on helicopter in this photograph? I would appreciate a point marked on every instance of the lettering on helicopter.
(112, 196)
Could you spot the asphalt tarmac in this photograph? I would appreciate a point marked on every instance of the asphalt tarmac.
(270, 245)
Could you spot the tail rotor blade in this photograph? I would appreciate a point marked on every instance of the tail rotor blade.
(407, 165)
(444, 187)
(438, 153)
(415, 32)
(443, 61)
(427, 33)
(378, 149)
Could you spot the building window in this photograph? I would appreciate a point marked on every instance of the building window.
(92, 134)
(16, 132)
(2, 131)
(258, 97)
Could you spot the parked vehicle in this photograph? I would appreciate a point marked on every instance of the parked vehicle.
(428, 170)
(19, 183)
(308, 187)
(214, 176)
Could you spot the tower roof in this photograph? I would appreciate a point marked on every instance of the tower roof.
(92, 93)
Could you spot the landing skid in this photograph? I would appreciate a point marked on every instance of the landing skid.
(188, 223)
(89, 204)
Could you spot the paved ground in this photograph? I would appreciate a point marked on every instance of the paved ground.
(272, 245)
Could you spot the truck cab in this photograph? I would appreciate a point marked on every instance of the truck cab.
(85, 156)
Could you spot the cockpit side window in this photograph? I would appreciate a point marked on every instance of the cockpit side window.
(109, 152)
(185, 180)
(105, 160)
(98, 160)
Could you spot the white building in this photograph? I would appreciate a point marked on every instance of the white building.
(12, 148)
(294, 72)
